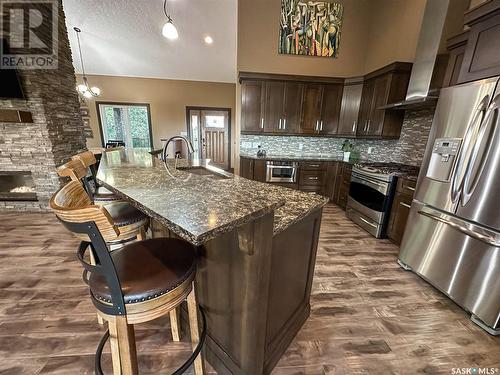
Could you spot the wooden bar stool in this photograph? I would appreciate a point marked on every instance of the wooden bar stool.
(138, 283)
(78, 169)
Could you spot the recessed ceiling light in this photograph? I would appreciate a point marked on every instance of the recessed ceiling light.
(209, 39)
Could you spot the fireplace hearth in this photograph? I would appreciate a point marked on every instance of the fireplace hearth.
(17, 186)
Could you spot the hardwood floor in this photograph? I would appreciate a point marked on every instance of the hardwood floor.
(368, 315)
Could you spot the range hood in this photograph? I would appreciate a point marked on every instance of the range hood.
(427, 67)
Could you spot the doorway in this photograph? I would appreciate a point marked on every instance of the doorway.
(209, 130)
(129, 123)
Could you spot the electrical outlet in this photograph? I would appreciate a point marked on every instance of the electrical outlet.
(370, 150)
(255, 144)
(301, 146)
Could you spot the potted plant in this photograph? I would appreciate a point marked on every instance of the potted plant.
(347, 147)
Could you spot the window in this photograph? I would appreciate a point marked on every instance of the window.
(128, 123)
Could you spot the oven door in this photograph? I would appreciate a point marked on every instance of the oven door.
(281, 173)
(369, 196)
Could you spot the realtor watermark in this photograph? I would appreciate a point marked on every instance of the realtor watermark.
(475, 371)
(29, 32)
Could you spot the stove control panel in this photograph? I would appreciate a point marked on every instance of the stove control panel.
(444, 154)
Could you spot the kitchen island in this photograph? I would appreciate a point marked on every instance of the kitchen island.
(257, 245)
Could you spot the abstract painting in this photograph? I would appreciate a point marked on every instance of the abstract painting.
(310, 28)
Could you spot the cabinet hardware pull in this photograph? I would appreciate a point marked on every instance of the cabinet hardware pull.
(314, 165)
(367, 222)
(410, 188)
(366, 124)
(284, 123)
(262, 123)
(321, 126)
(404, 205)
(313, 178)
(354, 126)
(279, 126)
(317, 125)
(369, 122)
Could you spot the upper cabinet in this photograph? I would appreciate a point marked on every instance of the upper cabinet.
(252, 97)
(349, 109)
(474, 54)
(382, 87)
(324, 106)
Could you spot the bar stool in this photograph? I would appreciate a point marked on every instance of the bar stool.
(78, 169)
(71, 203)
(140, 282)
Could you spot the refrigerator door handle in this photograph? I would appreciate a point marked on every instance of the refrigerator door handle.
(470, 182)
(463, 155)
(479, 233)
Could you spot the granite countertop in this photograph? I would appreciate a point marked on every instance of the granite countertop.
(199, 206)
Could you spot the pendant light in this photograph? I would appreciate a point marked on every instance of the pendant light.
(169, 30)
(85, 89)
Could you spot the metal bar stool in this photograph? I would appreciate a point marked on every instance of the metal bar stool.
(140, 282)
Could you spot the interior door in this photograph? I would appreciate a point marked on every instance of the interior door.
(252, 106)
(293, 106)
(459, 112)
(479, 198)
(330, 109)
(209, 134)
(273, 110)
(311, 113)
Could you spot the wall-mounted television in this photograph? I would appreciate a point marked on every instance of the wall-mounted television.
(10, 87)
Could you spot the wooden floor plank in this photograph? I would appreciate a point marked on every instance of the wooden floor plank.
(368, 316)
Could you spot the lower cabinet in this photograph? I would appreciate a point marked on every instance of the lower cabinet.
(328, 178)
(400, 209)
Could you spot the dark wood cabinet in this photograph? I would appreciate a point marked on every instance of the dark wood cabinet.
(400, 209)
(351, 100)
(331, 101)
(382, 87)
(482, 55)
(342, 180)
(456, 47)
(253, 169)
(252, 95)
(273, 107)
(311, 111)
(292, 107)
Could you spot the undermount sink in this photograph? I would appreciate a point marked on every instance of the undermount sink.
(203, 171)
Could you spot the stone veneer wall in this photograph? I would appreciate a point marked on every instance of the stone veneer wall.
(408, 149)
(57, 129)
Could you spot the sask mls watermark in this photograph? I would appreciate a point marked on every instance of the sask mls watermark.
(29, 34)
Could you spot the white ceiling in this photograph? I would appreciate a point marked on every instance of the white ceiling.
(123, 38)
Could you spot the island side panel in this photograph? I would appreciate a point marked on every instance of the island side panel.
(232, 285)
(292, 269)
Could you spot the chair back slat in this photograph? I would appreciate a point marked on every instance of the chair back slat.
(73, 169)
(72, 204)
(87, 158)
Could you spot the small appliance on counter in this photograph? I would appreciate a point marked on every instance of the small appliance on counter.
(371, 193)
(261, 153)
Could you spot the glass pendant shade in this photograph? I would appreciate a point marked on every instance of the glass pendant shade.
(169, 31)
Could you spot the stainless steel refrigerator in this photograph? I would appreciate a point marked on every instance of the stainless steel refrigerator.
(452, 237)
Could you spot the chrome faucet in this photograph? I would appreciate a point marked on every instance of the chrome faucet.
(187, 141)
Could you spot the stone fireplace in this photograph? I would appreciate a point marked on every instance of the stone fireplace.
(32, 148)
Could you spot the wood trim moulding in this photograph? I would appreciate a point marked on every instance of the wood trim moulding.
(457, 40)
(15, 116)
(394, 67)
(288, 77)
(481, 12)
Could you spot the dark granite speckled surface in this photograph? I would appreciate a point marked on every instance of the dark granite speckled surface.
(199, 206)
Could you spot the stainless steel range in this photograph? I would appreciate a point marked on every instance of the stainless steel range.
(371, 193)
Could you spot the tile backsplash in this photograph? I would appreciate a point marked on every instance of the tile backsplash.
(408, 149)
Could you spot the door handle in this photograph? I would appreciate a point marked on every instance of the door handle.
(367, 222)
(456, 186)
(470, 183)
(404, 205)
(485, 236)
(262, 123)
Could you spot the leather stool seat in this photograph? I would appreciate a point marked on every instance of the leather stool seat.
(148, 269)
(124, 214)
(104, 195)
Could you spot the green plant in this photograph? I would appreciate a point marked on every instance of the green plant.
(347, 146)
